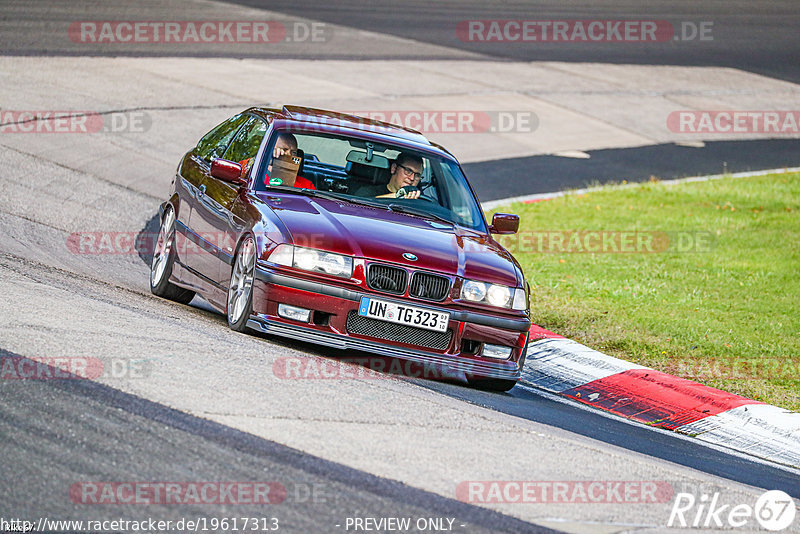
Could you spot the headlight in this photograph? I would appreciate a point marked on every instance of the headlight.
(306, 258)
(494, 294)
(474, 291)
(310, 259)
(498, 296)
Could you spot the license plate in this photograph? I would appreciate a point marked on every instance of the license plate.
(403, 314)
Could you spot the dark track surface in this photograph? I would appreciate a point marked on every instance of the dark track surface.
(513, 177)
(759, 37)
(59, 432)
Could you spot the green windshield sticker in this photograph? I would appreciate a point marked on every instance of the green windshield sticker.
(275, 181)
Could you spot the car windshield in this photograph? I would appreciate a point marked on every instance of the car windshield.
(360, 171)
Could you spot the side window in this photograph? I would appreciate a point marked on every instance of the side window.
(213, 144)
(457, 195)
(245, 145)
(428, 183)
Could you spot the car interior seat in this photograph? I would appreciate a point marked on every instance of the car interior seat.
(302, 156)
(362, 174)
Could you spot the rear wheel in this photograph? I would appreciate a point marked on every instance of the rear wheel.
(163, 260)
(240, 290)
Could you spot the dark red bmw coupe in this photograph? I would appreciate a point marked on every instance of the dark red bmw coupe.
(346, 232)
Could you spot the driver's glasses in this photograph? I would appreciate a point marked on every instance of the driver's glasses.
(410, 172)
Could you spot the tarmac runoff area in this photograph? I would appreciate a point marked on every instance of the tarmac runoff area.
(513, 110)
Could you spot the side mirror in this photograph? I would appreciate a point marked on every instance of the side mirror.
(227, 171)
(504, 223)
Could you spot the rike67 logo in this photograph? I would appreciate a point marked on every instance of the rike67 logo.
(774, 510)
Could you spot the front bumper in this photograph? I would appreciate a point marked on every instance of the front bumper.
(443, 364)
(273, 288)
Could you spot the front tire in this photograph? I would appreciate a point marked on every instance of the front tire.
(499, 385)
(240, 289)
(163, 260)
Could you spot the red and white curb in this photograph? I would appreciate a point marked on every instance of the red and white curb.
(572, 370)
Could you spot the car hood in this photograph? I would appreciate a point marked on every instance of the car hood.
(380, 234)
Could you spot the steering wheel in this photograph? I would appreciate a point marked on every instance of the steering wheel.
(403, 191)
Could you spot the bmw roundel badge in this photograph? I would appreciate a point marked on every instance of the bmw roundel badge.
(409, 256)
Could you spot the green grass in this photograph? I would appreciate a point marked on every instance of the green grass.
(726, 315)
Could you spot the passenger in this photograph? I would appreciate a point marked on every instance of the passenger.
(406, 172)
(286, 146)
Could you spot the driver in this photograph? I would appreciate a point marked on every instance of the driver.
(406, 173)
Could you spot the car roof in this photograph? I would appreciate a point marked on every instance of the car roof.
(335, 122)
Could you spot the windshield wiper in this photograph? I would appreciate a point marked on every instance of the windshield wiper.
(353, 200)
(362, 201)
(410, 210)
(330, 195)
(309, 192)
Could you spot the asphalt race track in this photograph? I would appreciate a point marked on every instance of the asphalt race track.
(762, 41)
(100, 438)
(183, 399)
(548, 174)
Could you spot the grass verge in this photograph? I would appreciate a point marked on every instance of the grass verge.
(700, 280)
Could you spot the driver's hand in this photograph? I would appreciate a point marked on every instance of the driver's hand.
(409, 191)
